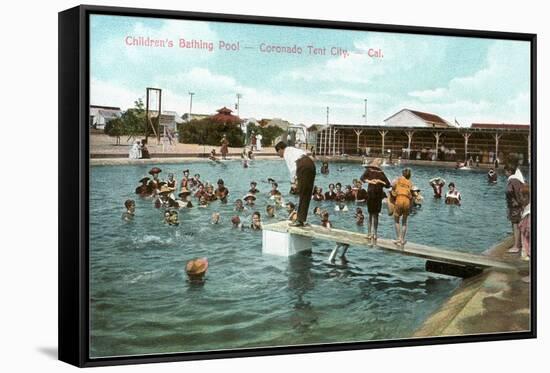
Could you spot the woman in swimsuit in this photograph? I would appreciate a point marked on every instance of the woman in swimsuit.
(402, 191)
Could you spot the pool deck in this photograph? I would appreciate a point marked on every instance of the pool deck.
(103, 151)
(496, 301)
(174, 159)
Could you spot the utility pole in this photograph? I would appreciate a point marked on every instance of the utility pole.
(242, 125)
(190, 105)
(239, 96)
(365, 115)
(327, 114)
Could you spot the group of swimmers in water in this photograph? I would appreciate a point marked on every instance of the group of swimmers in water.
(163, 194)
(402, 199)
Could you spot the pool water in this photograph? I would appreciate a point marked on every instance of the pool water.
(142, 303)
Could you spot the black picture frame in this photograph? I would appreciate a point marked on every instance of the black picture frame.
(74, 164)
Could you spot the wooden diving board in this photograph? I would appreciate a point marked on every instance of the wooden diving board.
(410, 249)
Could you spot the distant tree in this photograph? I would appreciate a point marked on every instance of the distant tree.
(131, 123)
(208, 132)
(134, 119)
(269, 133)
(115, 128)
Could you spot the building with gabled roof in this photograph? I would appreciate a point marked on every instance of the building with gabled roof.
(101, 115)
(415, 118)
(195, 116)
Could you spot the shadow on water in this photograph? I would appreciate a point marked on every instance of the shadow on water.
(300, 282)
(195, 285)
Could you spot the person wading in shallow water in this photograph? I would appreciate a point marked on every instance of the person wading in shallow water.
(377, 181)
(401, 189)
(302, 169)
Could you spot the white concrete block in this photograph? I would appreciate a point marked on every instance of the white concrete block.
(284, 244)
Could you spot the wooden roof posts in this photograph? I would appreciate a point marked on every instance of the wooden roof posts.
(320, 137)
(325, 142)
(410, 137)
(383, 134)
(334, 130)
(437, 135)
(358, 132)
(497, 137)
(466, 136)
(329, 139)
(319, 142)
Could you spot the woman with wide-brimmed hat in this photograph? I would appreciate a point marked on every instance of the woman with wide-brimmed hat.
(144, 189)
(377, 181)
(164, 200)
(249, 199)
(196, 269)
(183, 201)
(155, 182)
(155, 171)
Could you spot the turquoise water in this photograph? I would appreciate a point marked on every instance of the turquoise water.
(142, 303)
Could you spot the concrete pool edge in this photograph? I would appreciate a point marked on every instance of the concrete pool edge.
(493, 302)
(104, 159)
(165, 160)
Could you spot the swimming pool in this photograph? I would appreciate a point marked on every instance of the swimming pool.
(141, 301)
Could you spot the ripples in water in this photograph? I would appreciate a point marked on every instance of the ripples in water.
(141, 301)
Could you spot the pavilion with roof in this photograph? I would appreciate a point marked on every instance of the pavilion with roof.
(225, 116)
(414, 134)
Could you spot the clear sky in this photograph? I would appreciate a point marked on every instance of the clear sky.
(472, 80)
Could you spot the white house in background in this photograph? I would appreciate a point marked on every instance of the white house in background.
(100, 115)
(170, 120)
(187, 118)
(414, 118)
(301, 132)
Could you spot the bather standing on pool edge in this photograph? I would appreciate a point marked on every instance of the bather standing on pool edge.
(301, 168)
